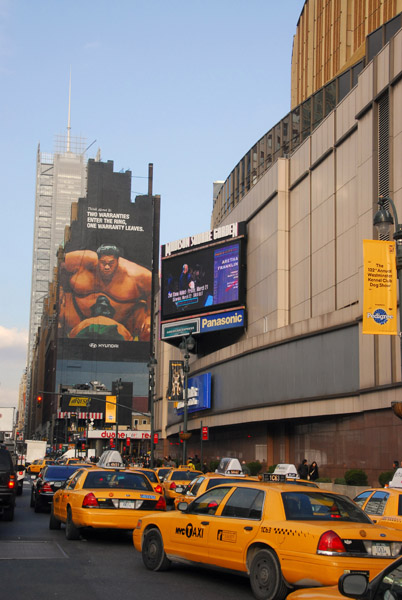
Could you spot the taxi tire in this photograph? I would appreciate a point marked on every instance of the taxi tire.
(153, 552)
(266, 578)
(72, 532)
(37, 505)
(53, 522)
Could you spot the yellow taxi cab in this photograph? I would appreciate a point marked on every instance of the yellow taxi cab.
(177, 478)
(152, 476)
(162, 472)
(384, 505)
(386, 586)
(228, 471)
(107, 496)
(37, 465)
(282, 535)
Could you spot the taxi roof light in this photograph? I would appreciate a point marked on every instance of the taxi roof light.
(90, 501)
(229, 466)
(330, 542)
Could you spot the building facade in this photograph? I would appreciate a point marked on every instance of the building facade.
(303, 381)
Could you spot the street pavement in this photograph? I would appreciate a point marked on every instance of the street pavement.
(37, 563)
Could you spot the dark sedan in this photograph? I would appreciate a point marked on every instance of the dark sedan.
(50, 479)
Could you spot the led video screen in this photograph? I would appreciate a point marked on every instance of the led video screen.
(202, 280)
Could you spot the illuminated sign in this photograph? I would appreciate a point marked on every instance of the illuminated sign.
(199, 394)
(208, 277)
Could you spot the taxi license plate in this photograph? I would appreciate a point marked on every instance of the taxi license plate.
(130, 503)
(380, 550)
(57, 484)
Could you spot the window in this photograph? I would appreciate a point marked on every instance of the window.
(244, 503)
(377, 502)
(73, 480)
(391, 585)
(361, 498)
(315, 506)
(343, 85)
(208, 503)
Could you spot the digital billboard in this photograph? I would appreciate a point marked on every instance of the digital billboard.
(105, 275)
(203, 279)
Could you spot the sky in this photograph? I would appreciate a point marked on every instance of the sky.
(188, 85)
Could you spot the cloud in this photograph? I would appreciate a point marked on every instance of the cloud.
(13, 339)
(13, 353)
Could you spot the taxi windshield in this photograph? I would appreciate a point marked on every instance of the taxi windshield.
(117, 479)
(314, 506)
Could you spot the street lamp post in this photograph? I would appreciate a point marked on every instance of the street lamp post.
(186, 345)
(151, 366)
(383, 221)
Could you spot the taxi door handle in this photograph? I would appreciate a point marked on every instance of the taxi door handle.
(204, 522)
(248, 529)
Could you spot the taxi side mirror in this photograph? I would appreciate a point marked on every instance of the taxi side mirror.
(182, 506)
(353, 585)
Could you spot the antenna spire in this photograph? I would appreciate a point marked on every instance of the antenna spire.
(69, 115)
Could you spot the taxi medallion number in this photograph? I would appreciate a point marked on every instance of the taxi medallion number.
(380, 550)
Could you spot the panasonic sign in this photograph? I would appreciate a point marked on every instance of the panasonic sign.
(226, 320)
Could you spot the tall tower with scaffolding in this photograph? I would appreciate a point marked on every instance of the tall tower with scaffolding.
(60, 180)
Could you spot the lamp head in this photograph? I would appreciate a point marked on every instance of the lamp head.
(383, 218)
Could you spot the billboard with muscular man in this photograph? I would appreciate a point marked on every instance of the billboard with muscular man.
(106, 274)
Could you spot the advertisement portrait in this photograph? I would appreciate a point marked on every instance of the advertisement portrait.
(105, 280)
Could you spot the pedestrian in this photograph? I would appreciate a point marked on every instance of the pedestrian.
(244, 468)
(313, 471)
(395, 465)
(302, 469)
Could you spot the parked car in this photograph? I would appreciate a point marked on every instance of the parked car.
(8, 484)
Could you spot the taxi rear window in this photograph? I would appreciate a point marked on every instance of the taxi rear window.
(313, 506)
(183, 475)
(151, 476)
(116, 479)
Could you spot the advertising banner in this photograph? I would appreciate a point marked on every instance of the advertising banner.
(110, 409)
(199, 394)
(176, 377)
(105, 274)
(380, 284)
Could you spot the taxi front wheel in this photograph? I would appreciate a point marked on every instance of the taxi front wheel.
(266, 578)
(153, 552)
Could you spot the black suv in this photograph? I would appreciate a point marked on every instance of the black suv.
(8, 484)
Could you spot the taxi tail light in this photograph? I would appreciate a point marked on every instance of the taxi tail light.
(161, 504)
(89, 501)
(158, 489)
(172, 486)
(47, 488)
(11, 482)
(330, 542)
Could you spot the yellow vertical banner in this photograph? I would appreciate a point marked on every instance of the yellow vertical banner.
(110, 409)
(379, 292)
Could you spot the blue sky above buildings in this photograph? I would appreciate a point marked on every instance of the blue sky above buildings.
(186, 85)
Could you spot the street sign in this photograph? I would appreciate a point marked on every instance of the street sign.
(205, 434)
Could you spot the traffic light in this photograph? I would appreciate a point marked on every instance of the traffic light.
(39, 399)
